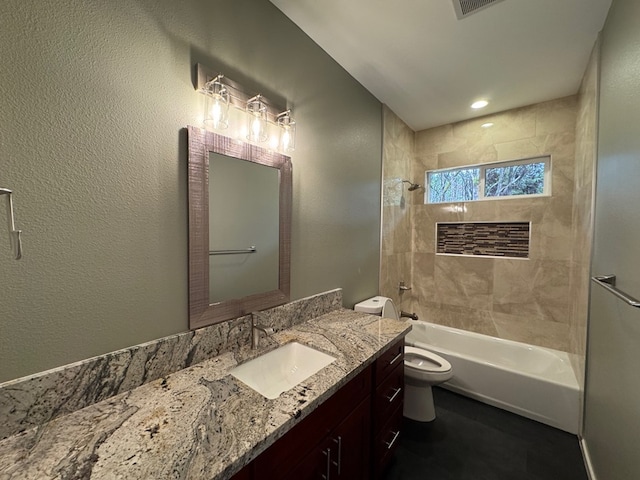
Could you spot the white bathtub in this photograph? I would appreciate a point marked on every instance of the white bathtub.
(534, 382)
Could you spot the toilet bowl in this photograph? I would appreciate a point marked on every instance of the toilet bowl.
(422, 369)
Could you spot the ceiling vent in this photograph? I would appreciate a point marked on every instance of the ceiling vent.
(464, 8)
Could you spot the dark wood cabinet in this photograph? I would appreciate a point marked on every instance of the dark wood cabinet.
(244, 474)
(388, 399)
(343, 454)
(351, 436)
(329, 439)
(350, 441)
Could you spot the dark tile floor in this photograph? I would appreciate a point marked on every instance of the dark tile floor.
(471, 440)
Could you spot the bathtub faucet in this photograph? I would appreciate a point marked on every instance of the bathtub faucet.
(412, 316)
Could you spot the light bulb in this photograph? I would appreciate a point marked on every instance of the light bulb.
(216, 104)
(287, 131)
(256, 128)
(257, 119)
(286, 137)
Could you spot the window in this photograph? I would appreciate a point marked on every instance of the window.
(505, 179)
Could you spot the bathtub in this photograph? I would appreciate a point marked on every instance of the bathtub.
(535, 382)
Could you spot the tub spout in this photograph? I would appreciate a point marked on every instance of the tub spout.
(412, 316)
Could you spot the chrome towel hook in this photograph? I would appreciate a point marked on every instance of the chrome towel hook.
(14, 235)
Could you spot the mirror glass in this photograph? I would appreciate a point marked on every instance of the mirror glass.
(239, 228)
(243, 228)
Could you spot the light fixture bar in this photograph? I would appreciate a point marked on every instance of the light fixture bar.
(238, 95)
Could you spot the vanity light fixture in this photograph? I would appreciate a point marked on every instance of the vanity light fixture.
(479, 104)
(266, 120)
(216, 105)
(256, 119)
(287, 131)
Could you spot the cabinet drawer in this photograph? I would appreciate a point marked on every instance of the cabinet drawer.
(389, 360)
(389, 396)
(386, 442)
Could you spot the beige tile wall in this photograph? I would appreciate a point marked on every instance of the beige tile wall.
(524, 300)
(582, 219)
(397, 155)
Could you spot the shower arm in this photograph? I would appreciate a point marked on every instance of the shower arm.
(14, 235)
(412, 186)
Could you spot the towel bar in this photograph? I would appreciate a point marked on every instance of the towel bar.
(608, 282)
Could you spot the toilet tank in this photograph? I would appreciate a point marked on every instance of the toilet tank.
(378, 305)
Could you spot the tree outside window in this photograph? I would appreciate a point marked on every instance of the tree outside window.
(504, 179)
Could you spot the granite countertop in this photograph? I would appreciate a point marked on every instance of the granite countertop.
(200, 422)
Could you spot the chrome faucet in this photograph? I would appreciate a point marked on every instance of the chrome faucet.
(256, 328)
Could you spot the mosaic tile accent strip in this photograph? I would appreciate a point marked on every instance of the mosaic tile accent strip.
(500, 239)
(34, 400)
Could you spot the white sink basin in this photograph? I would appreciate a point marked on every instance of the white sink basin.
(281, 369)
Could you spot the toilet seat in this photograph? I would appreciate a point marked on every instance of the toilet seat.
(425, 361)
(389, 310)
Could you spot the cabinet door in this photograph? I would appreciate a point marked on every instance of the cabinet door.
(316, 465)
(344, 454)
(303, 439)
(351, 443)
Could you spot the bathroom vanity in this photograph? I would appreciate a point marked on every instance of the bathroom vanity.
(202, 423)
(350, 436)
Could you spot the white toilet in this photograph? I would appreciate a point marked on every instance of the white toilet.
(422, 369)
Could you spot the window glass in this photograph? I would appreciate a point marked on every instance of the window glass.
(525, 179)
(504, 179)
(454, 185)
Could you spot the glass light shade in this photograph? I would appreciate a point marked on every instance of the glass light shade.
(216, 105)
(287, 131)
(256, 120)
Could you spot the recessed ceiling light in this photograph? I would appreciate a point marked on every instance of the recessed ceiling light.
(487, 125)
(479, 104)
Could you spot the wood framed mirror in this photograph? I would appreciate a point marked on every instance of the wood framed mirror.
(239, 228)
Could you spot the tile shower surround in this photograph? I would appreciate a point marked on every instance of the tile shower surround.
(528, 301)
(34, 400)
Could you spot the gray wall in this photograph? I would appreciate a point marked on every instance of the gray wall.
(612, 416)
(94, 97)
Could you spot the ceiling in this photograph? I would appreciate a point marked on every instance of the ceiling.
(428, 67)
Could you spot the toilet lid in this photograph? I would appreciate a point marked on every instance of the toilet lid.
(425, 360)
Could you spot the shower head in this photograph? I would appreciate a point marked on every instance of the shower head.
(412, 186)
